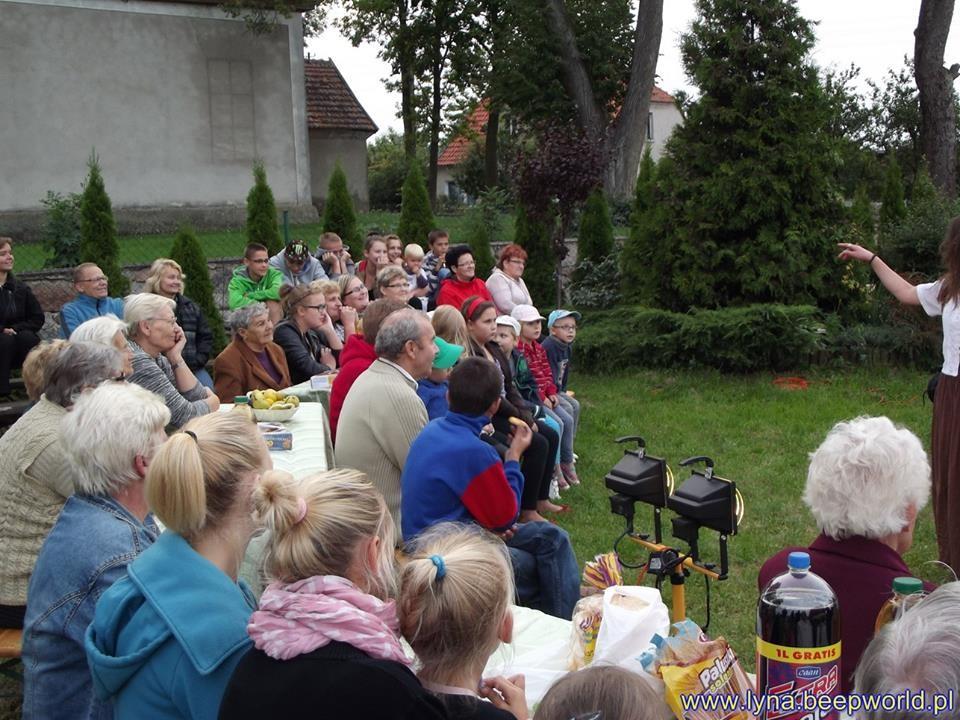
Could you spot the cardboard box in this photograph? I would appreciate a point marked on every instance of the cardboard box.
(322, 382)
(276, 436)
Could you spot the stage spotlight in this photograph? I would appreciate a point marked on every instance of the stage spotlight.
(639, 476)
(707, 500)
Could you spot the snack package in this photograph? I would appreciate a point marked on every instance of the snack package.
(587, 615)
(690, 664)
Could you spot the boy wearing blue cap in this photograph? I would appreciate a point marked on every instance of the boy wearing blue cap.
(559, 346)
(433, 389)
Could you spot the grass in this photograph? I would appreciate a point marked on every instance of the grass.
(144, 249)
(759, 436)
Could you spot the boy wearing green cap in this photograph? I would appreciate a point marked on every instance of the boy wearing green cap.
(433, 389)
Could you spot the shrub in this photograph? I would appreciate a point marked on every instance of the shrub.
(61, 230)
(484, 225)
(98, 231)
(416, 217)
(338, 213)
(533, 235)
(386, 171)
(198, 286)
(893, 208)
(636, 259)
(861, 213)
(595, 239)
(598, 283)
(262, 213)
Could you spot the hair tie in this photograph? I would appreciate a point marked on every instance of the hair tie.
(441, 566)
(473, 306)
(191, 434)
(301, 510)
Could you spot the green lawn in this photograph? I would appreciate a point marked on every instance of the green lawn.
(759, 436)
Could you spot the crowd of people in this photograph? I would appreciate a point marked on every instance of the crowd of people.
(454, 431)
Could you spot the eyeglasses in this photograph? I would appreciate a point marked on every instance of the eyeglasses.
(316, 307)
(172, 321)
(565, 327)
(259, 261)
(466, 264)
(101, 278)
(517, 261)
(362, 288)
(404, 286)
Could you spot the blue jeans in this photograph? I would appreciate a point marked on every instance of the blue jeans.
(572, 406)
(566, 435)
(545, 569)
(204, 377)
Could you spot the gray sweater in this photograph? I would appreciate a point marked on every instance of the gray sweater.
(156, 375)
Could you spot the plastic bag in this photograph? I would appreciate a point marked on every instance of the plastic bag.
(632, 615)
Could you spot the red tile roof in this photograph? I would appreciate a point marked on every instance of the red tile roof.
(331, 104)
(659, 96)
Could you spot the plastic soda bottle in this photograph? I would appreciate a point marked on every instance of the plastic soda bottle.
(798, 644)
(241, 404)
(907, 592)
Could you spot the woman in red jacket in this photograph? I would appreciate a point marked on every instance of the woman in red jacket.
(463, 283)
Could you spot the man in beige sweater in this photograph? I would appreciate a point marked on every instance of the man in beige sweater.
(382, 413)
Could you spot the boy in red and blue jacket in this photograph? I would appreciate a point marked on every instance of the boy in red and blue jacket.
(452, 475)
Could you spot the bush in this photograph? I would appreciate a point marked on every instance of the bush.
(386, 171)
(598, 283)
(533, 235)
(893, 208)
(61, 230)
(861, 213)
(595, 238)
(338, 213)
(742, 339)
(636, 259)
(198, 286)
(262, 213)
(416, 217)
(484, 225)
(98, 231)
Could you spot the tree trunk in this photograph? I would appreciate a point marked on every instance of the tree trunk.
(938, 119)
(406, 59)
(491, 168)
(624, 141)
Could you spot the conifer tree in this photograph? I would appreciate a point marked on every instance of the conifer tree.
(533, 235)
(483, 226)
(595, 238)
(893, 208)
(262, 213)
(416, 217)
(98, 230)
(198, 286)
(861, 213)
(636, 259)
(339, 215)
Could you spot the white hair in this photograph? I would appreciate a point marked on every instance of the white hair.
(864, 477)
(143, 306)
(101, 330)
(920, 650)
(241, 318)
(106, 430)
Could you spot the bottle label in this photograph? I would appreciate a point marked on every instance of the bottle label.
(790, 681)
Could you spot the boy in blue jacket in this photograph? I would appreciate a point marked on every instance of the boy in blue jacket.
(453, 475)
(433, 389)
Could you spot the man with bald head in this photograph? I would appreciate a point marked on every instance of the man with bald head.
(382, 413)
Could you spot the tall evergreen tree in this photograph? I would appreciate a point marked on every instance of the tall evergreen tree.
(636, 259)
(338, 213)
(98, 231)
(262, 213)
(595, 238)
(752, 205)
(533, 235)
(483, 226)
(198, 286)
(416, 217)
(861, 213)
(893, 209)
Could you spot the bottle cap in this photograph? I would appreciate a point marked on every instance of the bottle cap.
(240, 400)
(798, 561)
(907, 585)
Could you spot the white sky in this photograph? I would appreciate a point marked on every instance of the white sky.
(873, 34)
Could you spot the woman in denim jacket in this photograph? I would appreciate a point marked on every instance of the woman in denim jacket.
(165, 639)
(108, 438)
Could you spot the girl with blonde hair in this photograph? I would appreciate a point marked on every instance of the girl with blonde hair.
(454, 623)
(448, 323)
(165, 639)
(601, 692)
(325, 637)
(306, 333)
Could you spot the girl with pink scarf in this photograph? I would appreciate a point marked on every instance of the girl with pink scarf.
(326, 634)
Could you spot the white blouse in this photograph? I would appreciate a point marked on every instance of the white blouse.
(950, 313)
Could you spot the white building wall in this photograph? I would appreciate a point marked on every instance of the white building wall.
(664, 118)
(177, 100)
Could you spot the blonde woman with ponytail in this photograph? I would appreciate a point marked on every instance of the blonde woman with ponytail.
(453, 622)
(325, 637)
(165, 639)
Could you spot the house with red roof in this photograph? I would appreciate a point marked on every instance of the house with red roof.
(663, 117)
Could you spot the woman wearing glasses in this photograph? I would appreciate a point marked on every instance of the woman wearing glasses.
(353, 293)
(306, 333)
(506, 284)
(463, 283)
(392, 284)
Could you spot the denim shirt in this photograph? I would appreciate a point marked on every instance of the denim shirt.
(88, 549)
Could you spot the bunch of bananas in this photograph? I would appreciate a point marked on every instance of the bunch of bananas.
(272, 400)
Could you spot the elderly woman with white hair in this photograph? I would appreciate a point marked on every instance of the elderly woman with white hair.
(865, 486)
(253, 361)
(920, 652)
(109, 439)
(35, 477)
(157, 342)
(107, 330)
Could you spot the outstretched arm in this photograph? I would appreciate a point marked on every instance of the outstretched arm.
(898, 287)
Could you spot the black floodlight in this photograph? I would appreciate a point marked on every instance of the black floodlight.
(640, 476)
(706, 500)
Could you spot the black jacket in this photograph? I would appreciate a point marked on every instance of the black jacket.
(19, 308)
(302, 350)
(199, 343)
(336, 681)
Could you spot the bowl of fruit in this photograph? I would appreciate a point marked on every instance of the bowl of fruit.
(272, 406)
